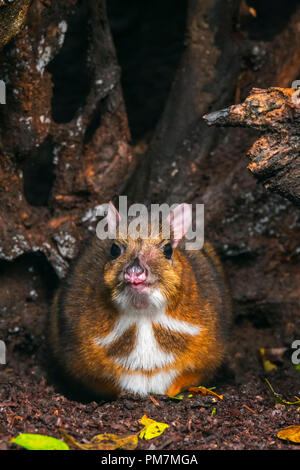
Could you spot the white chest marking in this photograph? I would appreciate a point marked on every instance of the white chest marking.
(143, 385)
(147, 354)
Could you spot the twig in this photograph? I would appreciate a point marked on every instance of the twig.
(250, 409)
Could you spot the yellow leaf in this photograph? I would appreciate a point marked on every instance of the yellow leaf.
(291, 433)
(151, 428)
(205, 391)
(117, 442)
(267, 365)
(104, 442)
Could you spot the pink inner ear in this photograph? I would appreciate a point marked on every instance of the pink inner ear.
(113, 218)
(180, 221)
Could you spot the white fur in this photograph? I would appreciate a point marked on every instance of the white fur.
(155, 299)
(143, 385)
(147, 354)
(123, 324)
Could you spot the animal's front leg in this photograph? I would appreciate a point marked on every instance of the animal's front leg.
(185, 380)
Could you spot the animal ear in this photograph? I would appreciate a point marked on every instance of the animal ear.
(113, 218)
(180, 220)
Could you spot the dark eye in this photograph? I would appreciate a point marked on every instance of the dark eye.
(115, 250)
(168, 250)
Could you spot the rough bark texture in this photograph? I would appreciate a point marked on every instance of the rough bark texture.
(12, 17)
(206, 75)
(63, 149)
(275, 157)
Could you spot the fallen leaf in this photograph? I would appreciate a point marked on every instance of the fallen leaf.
(180, 396)
(151, 428)
(39, 442)
(267, 364)
(129, 442)
(112, 441)
(104, 442)
(291, 433)
(205, 391)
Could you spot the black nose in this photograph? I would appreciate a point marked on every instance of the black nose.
(135, 267)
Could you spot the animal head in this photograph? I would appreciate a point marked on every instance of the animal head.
(145, 273)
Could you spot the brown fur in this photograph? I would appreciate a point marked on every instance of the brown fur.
(83, 309)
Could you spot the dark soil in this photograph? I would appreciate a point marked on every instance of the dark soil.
(247, 417)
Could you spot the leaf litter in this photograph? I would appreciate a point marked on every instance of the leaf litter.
(109, 441)
(106, 441)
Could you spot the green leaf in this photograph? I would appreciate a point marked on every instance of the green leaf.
(39, 442)
(180, 396)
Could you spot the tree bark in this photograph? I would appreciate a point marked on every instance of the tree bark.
(206, 75)
(12, 17)
(57, 163)
(275, 157)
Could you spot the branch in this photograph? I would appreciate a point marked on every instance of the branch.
(275, 157)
